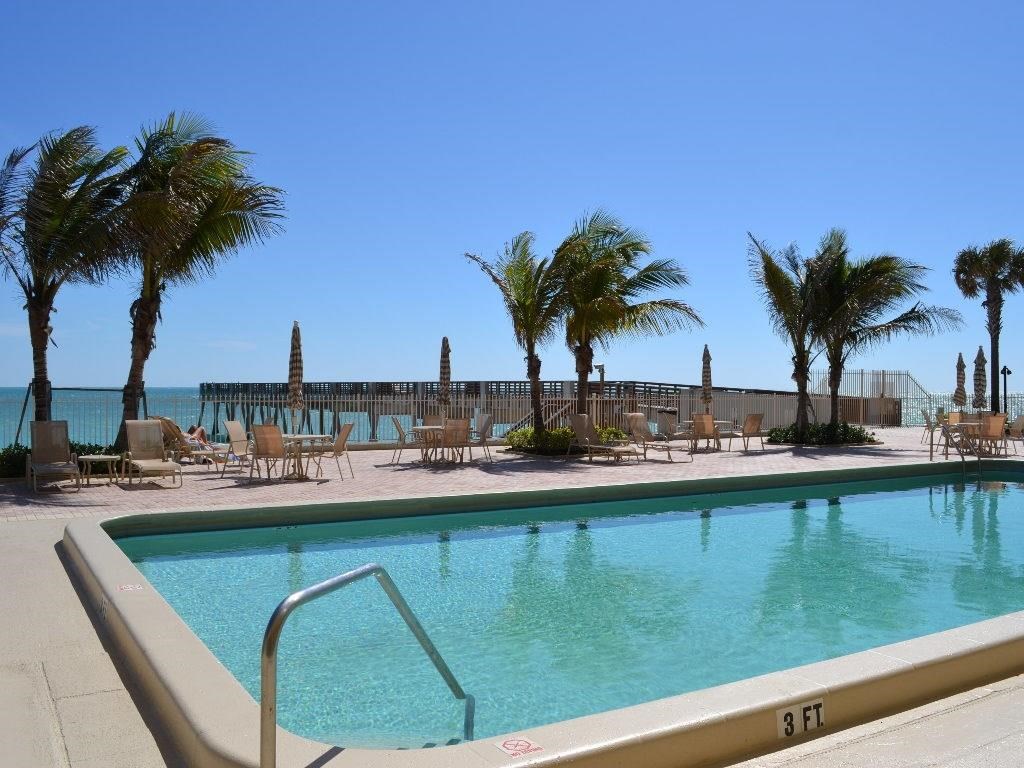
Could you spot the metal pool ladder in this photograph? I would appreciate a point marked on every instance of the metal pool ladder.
(268, 659)
(957, 439)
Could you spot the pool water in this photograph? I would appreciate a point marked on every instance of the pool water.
(546, 614)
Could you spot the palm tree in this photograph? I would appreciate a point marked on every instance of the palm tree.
(191, 204)
(860, 297)
(58, 226)
(790, 287)
(992, 272)
(603, 284)
(531, 290)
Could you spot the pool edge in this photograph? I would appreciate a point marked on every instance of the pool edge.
(211, 719)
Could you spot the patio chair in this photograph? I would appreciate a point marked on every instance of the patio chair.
(640, 430)
(51, 455)
(268, 447)
(239, 445)
(338, 449)
(146, 455)
(992, 435)
(586, 438)
(455, 439)
(406, 440)
(704, 429)
(929, 425)
(751, 428)
(1015, 432)
(482, 433)
(432, 420)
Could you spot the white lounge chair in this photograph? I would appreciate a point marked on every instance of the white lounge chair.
(640, 431)
(51, 457)
(585, 437)
(146, 455)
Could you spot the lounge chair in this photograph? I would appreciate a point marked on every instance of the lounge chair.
(338, 449)
(268, 447)
(645, 440)
(586, 438)
(239, 445)
(482, 433)
(751, 428)
(406, 440)
(180, 447)
(146, 455)
(51, 457)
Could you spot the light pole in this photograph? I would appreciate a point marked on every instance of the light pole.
(600, 372)
(1006, 372)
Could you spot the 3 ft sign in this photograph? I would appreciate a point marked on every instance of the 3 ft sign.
(800, 718)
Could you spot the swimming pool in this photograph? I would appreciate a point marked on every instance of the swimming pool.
(551, 613)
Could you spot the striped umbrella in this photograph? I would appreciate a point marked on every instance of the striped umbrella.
(980, 380)
(295, 403)
(960, 395)
(444, 385)
(706, 396)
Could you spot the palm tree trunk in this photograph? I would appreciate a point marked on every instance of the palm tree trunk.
(533, 374)
(584, 365)
(39, 310)
(994, 306)
(835, 378)
(145, 313)
(803, 400)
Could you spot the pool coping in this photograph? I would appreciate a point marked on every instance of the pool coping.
(212, 720)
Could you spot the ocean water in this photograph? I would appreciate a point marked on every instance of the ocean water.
(553, 613)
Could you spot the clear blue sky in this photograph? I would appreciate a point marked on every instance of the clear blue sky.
(408, 133)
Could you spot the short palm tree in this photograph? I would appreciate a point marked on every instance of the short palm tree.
(531, 290)
(860, 299)
(191, 204)
(604, 285)
(790, 286)
(991, 272)
(58, 226)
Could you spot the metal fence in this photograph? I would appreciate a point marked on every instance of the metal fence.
(96, 419)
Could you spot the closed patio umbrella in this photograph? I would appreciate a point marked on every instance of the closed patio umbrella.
(444, 384)
(706, 395)
(980, 380)
(960, 395)
(295, 402)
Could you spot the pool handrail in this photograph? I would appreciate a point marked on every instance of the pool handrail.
(268, 656)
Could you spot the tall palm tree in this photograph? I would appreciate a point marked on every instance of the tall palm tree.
(790, 286)
(860, 297)
(604, 282)
(992, 272)
(58, 226)
(531, 290)
(191, 204)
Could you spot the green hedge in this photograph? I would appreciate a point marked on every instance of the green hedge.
(554, 442)
(823, 434)
(12, 458)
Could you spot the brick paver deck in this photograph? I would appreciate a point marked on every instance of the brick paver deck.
(376, 478)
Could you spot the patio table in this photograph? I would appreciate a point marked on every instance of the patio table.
(101, 458)
(433, 438)
(296, 443)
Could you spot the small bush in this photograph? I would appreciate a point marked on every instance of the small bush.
(12, 460)
(552, 441)
(611, 434)
(823, 434)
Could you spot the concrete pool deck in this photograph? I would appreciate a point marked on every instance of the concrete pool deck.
(63, 702)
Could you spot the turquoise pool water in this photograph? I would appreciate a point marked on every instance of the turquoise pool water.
(552, 613)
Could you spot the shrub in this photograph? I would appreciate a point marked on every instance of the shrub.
(823, 434)
(552, 441)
